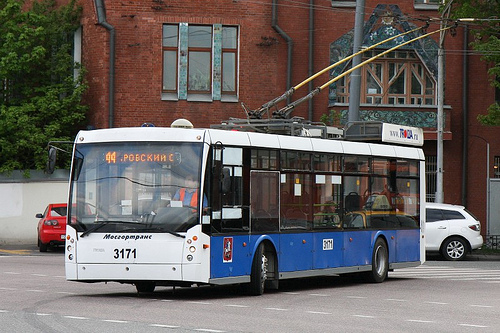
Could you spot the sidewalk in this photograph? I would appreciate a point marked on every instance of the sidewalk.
(24, 250)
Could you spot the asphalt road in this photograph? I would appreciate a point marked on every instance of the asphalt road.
(438, 296)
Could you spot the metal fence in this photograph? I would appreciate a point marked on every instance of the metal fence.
(492, 242)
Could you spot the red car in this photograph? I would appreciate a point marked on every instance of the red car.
(52, 226)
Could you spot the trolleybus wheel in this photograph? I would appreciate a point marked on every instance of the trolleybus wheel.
(259, 272)
(145, 287)
(380, 262)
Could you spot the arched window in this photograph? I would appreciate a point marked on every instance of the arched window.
(396, 78)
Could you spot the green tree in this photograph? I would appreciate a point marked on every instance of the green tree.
(487, 33)
(40, 99)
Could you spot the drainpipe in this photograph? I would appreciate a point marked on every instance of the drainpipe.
(101, 20)
(311, 56)
(289, 41)
(465, 116)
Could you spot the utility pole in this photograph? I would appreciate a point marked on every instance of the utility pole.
(440, 106)
(355, 86)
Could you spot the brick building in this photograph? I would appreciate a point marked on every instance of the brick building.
(154, 61)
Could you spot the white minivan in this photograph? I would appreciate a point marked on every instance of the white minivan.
(451, 230)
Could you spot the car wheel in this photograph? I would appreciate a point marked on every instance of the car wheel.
(43, 247)
(454, 249)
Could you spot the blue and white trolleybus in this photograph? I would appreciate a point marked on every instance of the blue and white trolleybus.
(154, 206)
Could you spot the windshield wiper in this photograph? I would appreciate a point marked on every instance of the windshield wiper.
(102, 224)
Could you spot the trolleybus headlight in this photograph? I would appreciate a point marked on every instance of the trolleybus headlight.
(189, 257)
(69, 248)
(192, 249)
(70, 257)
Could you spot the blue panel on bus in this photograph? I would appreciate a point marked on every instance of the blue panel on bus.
(230, 256)
(296, 252)
(358, 247)
(327, 251)
(408, 245)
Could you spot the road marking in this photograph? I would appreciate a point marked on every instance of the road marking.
(395, 300)
(481, 306)
(13, 273)
(36, 290)
(319, 312)
(421, 321)
(363, 316)
(115, 321)
(42, 275)
(3, 311)
(202, 303)
(472, 325)
(320, 295)
(276, 309)
(164, 326)
(6, 288)
(237, 305)
(21, 252)
(65, 292)
(449, 273)
(208, 330)
(75, 317)
(437, 303)
(43, 314)
(357, 297)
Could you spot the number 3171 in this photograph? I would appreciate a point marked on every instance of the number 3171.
(125, 253)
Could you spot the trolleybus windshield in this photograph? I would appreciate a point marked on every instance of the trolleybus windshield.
(135, 187)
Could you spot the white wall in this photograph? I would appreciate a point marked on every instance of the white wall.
(21, 200)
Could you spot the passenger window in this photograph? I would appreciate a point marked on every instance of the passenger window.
(452, 215)
(433, 215)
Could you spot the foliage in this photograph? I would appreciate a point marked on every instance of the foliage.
(40, 100)
(487, 42)
(331, 119)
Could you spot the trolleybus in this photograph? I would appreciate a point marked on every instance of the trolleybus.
(151, 206)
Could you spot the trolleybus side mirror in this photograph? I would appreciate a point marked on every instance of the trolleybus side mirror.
(51, 162)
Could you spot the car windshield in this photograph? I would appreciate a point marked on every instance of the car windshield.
(135, 187)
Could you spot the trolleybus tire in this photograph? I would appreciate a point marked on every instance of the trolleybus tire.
(259, 272)
(380, 262)
(145, 287)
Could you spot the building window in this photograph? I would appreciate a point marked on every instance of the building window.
(170, 50)
(229, 56)
(496, 167)
(430, 177)
(396, 78)
(200, 60)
